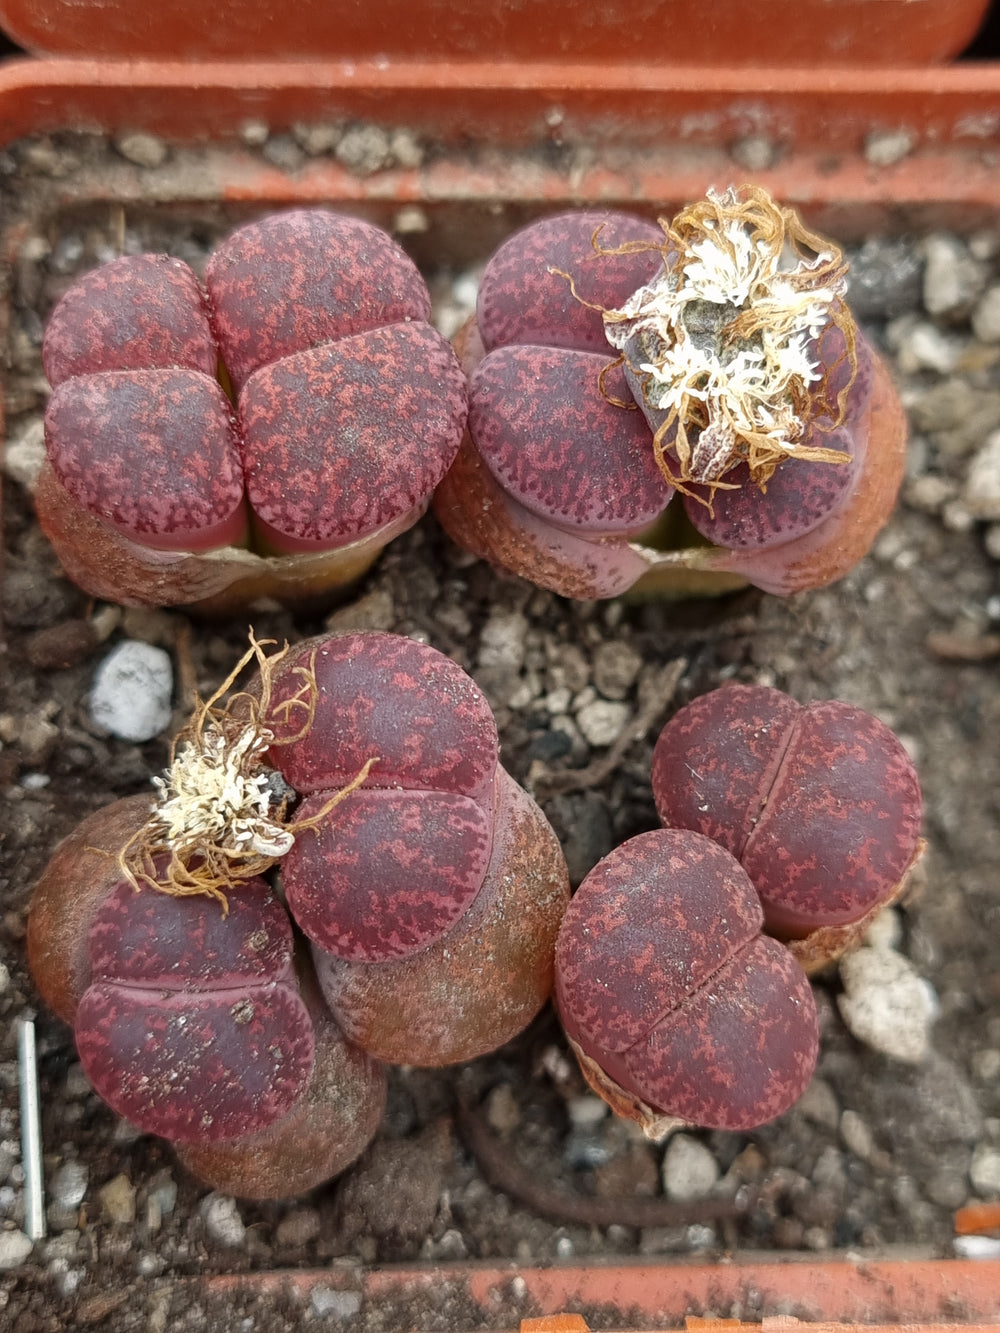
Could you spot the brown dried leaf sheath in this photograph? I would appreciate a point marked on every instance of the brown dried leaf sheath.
(691, 445)
(217, 822)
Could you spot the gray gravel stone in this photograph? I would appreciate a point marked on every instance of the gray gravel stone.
(363, 149)
(952, 278)
(886, 1004)
(145, 150)
(222, 1220)
(616, 667)
(689, 1168)
(14, 1249)
(883, 148)
(885, 278)
(601, 722)
(131, 693)
(981, 494)
(984, 1171)
(327, 1303)
(68, 1185)
(986, 316)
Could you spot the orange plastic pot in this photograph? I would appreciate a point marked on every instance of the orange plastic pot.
(784, 32)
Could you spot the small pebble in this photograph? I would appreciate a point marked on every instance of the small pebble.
(986, 317)
(502, 1111)
(118, 1200)
(952, 278)
(981, 493)
(886, 1004)
(406, 150)
(501, 643)
(977, 1247)
(68, 1185)
(222, 1220)
(364, 149)
(327, 1303)
(984, 1171)
(298, 1227)
(601, 722)
(131, 693)
(254, 133)
(58, 647)
(819, 1104)
(689, 1168)
(616, 667)
(317, 139)
(14, 1249)
(883, 148)
(374, 611)
(24, 453)
(857, 1135)
(145, 150)
(755, 152)
(586, 1112)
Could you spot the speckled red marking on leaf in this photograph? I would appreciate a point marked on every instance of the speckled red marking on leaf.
(192, 1026)
(153, 452)
(663, 979)
(298, 279)
(380, 694)
(387, 872)
(520, 301)
(821, 803)
(135, 313)
(344, 438)
(549, 435)
(800, 495)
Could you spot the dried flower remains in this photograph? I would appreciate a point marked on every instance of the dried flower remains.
(724, 341)
(221, 817)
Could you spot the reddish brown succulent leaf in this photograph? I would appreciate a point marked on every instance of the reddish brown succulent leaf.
(342, 439)
(426, 721)
(387, 872)
(298, 279)
(146, 939)
(550, 436)
(138, 312)
(820, 803)
(154, 453)
(742, 1052)
(481, 983)
(649, 926)
(801, 495)
(520, 301)
(663, 980)
(192, 1026)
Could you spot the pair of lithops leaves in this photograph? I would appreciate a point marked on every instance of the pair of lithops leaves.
(411, 917)
(270, 431)
(416, 902)
(681, 963)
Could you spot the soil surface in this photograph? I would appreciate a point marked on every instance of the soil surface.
(878, 1154)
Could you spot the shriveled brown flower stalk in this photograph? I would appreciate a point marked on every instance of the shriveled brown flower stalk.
(222, 813)
(723, 342)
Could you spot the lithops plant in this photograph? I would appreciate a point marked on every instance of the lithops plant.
(433, 896)
(265, 434)
(615, 365)
(820, 804)
(677, 1007)
(359, 773)
(195, 1025)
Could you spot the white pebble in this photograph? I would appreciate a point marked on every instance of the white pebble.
(222, 1220)
(601, 722)
(981, 495)
(586, 1112)
(984, 1171)
(857, 1135)
(986, 317)
(131, 693)
(689, 1168)
(501, 643)
(69, 1185)
(886, 931)
(886, 1004)
(145, 150)
(24, 453)
(883, 148)
(14, 1249)
(327, 1303)
(951, 277)
(977, 1247)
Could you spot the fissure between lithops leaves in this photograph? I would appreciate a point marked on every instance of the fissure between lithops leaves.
(723, 340)
(221, 817)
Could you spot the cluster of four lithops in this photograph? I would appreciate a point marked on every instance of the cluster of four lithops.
(339, 873)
